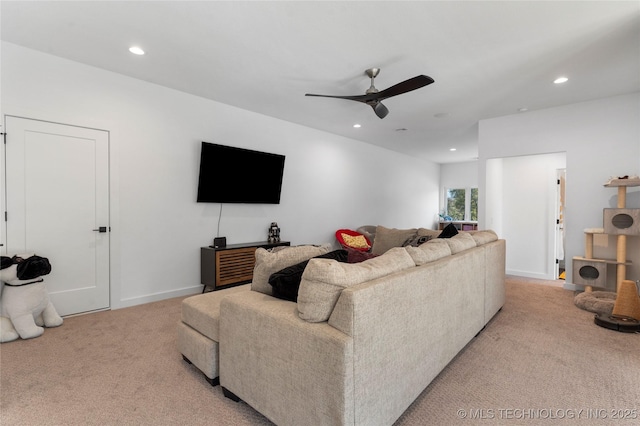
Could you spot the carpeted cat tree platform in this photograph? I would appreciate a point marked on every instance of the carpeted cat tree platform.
(616, 311)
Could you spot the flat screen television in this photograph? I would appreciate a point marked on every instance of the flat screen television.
(237, 175)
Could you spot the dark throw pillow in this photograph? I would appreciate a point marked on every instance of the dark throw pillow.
(416, 240)
(357, 256)
(448, 231)
(285, 282)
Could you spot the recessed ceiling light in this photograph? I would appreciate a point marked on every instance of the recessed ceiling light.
(560, 80)
(136, 50)
(452, 149)
(523, 109)
(357, 126)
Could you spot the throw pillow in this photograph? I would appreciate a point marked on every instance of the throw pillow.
(428, 232)
(355, 241)
(448, 231)
(285, 282)
(357, 256)
(368, 231)
(268, 262)
(323, 280)
(416, 240)
(387, 238)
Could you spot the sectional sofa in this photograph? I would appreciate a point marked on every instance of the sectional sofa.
(362, 340)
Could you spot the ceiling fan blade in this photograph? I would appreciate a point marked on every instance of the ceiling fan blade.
(380, 110)
(359, 98)
(404, 87)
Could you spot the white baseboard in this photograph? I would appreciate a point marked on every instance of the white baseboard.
(156, 297)
(528, 274)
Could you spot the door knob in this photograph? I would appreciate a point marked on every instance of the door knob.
(101, 229)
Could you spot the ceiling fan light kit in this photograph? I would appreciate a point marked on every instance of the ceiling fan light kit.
(373, 97)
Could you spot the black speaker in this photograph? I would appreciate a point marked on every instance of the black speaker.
(220, 242)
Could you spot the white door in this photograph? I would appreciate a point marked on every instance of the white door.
(57, 199)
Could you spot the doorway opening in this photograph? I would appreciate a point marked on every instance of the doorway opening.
(560, 258)
(522, 204)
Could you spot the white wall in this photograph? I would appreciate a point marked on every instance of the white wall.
(601, 139)
(330, 182)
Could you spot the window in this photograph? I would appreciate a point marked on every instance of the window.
(462, 204)
(456, 203)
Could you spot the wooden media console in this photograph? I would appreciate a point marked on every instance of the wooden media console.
(222, 267)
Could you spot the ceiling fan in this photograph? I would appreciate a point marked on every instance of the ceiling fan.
(373, 97)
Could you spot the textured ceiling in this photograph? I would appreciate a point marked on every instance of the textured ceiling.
(488, 59)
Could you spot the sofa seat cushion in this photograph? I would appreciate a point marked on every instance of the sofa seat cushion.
(323, 280)
(268, 262)
(202, 312)
(199, 350)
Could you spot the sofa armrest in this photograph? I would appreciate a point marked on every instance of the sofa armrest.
(290, 370)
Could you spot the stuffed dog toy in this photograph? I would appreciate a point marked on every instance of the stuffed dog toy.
(25, 302)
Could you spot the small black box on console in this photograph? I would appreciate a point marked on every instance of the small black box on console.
(219, 242)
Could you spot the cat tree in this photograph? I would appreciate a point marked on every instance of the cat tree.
(621, 222)
(592, 272)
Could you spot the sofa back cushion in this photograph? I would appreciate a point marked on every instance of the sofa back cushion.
(268, 262)
(323, 280)
(484, 237)
(430, 251)
(460, 242)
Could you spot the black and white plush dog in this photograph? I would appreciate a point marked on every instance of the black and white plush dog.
(25, 302)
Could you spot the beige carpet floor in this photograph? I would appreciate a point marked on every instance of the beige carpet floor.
(541, 360)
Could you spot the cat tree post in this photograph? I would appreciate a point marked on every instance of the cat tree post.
(588, 251)
(621, 249)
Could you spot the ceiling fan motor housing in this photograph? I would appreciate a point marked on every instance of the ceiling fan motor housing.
(372, 73)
